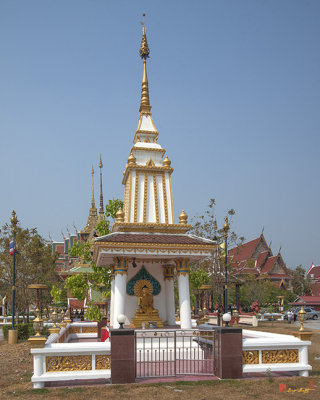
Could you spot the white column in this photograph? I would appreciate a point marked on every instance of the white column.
(112, 302)
(303, 359)
(184, 294)
(170, 302)
(169, 288)
(37, 370)
(120, 282)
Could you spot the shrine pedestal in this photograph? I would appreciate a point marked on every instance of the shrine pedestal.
(154, 318)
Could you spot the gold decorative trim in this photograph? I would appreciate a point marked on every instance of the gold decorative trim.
(68, 363)
(171, 198)
(280, 356)
(140, 285)
(145, 197)
(250, 357)
(144, 168)
(103, 361)
(182, 267)
(156, 197)
(130, 190)
(89, 329)
(136, 187)
(165, 197)
(148, 149)
(168, 272)
(121, 267)
(152, 227)
(121, 245)
(150, 163)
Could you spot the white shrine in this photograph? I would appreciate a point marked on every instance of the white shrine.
(146, 250)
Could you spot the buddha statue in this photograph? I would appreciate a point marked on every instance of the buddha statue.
(145, 302)
(146, 313)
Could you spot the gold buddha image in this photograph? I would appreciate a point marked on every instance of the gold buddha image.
(145, 312)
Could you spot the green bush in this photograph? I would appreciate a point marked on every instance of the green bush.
(24, 331)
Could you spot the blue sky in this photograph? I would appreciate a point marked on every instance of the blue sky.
(234, 88)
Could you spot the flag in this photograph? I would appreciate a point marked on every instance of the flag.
(12, 248)
(223, 249)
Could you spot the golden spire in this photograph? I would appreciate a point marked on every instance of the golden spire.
(101, 195)
(92, 201)
(144, 54)
(183, 218)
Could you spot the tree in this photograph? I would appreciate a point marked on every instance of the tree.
(34, 263)
(78, 286)
(211, 271)
(103, 227)
(113, 207)
(300, 282)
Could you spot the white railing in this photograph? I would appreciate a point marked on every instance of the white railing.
(264, 351)
(71, 361)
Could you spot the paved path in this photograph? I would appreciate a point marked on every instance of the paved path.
(314, 325)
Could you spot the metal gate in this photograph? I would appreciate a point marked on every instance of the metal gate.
(174, 352)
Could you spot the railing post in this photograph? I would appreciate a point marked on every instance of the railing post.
(228, 353)
(122, 356)
(38, 370)
(303, 359)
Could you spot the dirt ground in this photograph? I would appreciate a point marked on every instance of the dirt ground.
(16, 372)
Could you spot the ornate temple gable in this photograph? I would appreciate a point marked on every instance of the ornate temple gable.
(279, 267)
(261, 247)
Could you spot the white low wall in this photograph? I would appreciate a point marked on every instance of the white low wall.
(71, 361)
(264, 351)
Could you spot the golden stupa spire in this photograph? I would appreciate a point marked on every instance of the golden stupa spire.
(92, 201)
(101, 211)
(144, 54)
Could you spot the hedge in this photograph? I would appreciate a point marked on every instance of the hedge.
(24, 331)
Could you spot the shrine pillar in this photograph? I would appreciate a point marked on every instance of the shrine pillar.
(112, 295)
(182, 267)
(170, 303)
(120, 281)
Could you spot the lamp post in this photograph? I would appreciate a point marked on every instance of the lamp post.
(12, 335)
(225, 234)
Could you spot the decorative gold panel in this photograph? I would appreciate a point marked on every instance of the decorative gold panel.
(68, 363)
(74, 329)
(89, 329)
(103, 361)
(250, 357)
(280, 356)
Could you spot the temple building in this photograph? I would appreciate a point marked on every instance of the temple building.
(256, 258)
(314, 274)
(146, 250)
(65, 264)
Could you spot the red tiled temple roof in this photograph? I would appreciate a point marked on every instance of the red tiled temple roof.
(244, 251)
(120, 237)
(261, 259)
(314, 271)
(269, 264)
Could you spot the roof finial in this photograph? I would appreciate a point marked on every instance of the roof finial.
(92, 201)
(101, 211)
(144, 54)
(144, 48)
